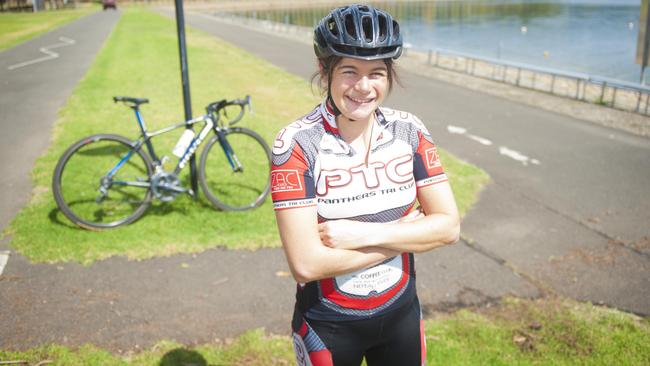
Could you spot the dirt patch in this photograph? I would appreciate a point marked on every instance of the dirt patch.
(606, 257)
(641, 244)
(468, 298)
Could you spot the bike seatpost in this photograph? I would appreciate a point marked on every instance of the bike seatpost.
(143, 130)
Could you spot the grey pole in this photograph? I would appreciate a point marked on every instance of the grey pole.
(187, 101)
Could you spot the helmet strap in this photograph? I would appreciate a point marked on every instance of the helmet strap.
(335, 109)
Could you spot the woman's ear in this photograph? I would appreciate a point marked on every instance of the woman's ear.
(322, 72)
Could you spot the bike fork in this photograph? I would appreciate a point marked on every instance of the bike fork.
(230, 154)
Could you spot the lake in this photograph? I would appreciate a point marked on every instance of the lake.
(597, 37)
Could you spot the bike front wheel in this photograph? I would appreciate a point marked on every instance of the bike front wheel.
(234, 174)
(101, 182)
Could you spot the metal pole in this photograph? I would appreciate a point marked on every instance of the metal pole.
(642, 80)
(642, 39)
(187, 101)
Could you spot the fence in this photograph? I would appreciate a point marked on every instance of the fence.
(609, 92)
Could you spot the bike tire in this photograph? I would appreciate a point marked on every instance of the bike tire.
(231, 190)
(77, 177)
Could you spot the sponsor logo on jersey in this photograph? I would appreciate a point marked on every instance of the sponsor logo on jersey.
(433, 161)
(432, 180)
(285, 180)
(398, 171)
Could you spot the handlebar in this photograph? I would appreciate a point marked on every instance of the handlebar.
(216, 110)
(219, 109)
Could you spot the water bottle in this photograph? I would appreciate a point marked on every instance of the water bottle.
(183, 143)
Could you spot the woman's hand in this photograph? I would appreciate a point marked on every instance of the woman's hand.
(413, 215)
(345, 234)
(348, 234)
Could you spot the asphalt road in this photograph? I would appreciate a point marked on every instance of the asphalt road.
(572, 220)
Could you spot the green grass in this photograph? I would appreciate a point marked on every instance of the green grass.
(516, 332)
(147, 66)
(20, 27)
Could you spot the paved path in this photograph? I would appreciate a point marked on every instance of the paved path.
(532, 231)
(32, 94)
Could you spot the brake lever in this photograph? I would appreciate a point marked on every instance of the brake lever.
(249, 102)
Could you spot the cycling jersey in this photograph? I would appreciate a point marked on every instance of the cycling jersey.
(314, 166)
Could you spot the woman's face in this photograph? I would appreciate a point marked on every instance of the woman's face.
(358, 87)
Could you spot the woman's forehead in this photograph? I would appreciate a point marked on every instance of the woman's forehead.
(361, 64)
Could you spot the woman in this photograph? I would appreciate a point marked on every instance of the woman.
(345, 181)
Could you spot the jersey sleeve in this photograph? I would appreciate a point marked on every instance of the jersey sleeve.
(427, 168)
(292, 181)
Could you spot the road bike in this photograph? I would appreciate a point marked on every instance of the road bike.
(104, 181)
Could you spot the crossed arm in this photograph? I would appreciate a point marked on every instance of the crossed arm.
(315, 251)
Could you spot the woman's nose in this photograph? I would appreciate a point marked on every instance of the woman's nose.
(363, 84)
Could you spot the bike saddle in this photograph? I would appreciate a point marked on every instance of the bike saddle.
(136, 101)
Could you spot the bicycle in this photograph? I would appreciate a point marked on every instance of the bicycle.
(104, 181)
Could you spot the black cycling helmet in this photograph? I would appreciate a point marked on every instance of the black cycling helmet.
(358, 31)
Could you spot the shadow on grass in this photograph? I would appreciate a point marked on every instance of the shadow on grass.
(157, 209)
(182, 357)
(57, 217)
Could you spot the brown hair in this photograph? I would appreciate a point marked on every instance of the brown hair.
(327, 65)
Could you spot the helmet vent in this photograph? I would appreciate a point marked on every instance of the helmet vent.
(395, 29)
(382, 29)
(331, 26)
(366, 26)
(350, 29)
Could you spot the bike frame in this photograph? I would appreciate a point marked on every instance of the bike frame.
(146, 137)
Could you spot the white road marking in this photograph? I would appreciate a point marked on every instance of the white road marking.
(513, 154)
(457, 130)
(480, 140)
(4, 257)
(46, 50)
(516, 155)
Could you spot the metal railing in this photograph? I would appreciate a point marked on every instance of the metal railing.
(618, 94)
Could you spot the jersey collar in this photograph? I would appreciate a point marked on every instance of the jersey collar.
(329, 118)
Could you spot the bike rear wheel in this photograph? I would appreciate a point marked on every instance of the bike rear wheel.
(228, 188)
(83, 171)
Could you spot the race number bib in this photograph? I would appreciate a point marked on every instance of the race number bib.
(373, 280)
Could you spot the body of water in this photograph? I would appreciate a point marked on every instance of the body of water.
(597, 37)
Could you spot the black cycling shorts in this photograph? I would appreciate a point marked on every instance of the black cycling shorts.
(395, 338)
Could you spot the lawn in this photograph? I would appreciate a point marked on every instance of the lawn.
(549, 331)
(147, 66)
(20, 27)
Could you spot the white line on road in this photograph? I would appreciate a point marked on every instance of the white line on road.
(480, 140)
(46, 50)
(4, 257)
(516, 155)
(457, 130)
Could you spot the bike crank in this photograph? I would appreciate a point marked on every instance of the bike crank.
(165, 186)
